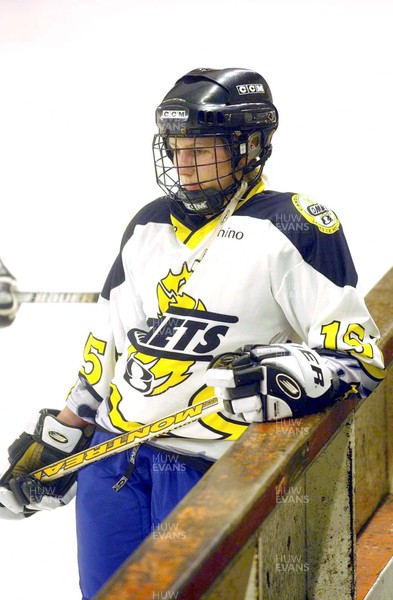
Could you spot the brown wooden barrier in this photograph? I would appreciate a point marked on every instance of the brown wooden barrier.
(221, 519)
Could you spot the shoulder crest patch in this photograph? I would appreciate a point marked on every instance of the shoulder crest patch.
(317, 214)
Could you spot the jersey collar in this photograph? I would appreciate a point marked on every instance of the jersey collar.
(191, 231)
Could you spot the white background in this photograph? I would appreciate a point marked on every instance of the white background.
(79, 82)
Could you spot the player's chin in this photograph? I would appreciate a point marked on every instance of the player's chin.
(191, 187)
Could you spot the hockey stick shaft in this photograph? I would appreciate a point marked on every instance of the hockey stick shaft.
(127, 440)
(10, 294)
(22, 297)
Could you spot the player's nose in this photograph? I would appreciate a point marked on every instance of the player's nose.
(185, 160)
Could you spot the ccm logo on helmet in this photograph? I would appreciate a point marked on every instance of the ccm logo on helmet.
(181, 115)
(250, 88)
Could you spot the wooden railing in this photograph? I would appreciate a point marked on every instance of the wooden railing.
(276, 517)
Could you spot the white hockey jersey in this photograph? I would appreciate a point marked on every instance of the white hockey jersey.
(279, 270)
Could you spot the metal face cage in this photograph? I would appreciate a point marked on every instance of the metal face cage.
(201, 172)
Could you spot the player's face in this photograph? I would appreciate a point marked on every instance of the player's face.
(202, 162)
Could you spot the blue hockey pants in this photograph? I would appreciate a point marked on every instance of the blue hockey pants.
(111, 525)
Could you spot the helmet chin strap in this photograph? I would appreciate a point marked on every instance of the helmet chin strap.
(208, 201)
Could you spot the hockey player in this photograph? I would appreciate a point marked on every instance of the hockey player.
(220, 287)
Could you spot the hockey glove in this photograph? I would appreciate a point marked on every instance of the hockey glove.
(267, 383)
(22, 495)
(8, 303)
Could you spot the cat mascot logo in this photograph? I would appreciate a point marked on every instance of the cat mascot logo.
(153, 367)
(183, 334)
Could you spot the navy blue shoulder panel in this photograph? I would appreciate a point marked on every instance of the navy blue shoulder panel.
(157, 211)
(115, 277)
(328, 253)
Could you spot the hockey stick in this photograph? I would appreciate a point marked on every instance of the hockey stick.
(127, 440)
(55, 296)
(11, 292)
(11, 297)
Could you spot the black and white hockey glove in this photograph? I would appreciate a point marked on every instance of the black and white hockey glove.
(47, 441)
(267, 383)
(8, 304)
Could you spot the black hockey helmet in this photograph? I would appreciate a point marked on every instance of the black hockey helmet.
(232, 106)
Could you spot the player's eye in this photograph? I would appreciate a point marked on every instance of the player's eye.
(201, 151)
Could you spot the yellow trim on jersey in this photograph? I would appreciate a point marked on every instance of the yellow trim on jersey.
(374, 372)
(230, 430)
(182, 232)
(193, 239)
(197, 236)
(115, 415)
(258, 189)
(190, 238)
